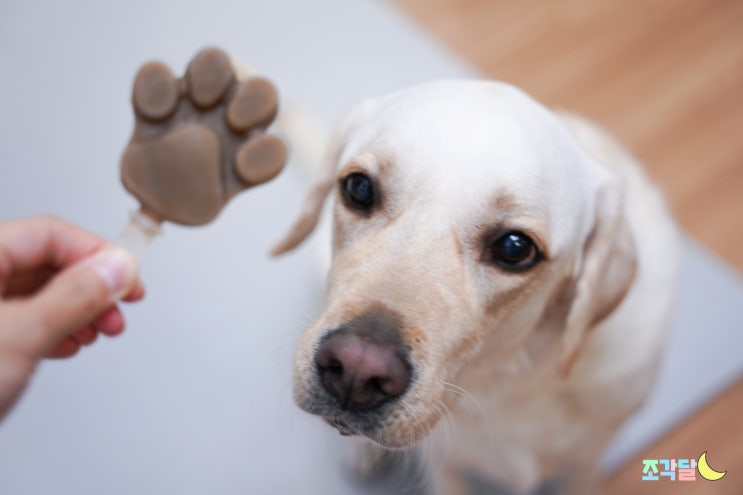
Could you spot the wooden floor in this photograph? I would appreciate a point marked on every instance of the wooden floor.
(666, 77)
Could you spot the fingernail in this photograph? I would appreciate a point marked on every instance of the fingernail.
(118, 270)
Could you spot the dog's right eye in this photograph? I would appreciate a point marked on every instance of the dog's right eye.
(358, 191)
(514, 251)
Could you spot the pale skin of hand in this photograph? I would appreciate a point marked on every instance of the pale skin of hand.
(59, 288)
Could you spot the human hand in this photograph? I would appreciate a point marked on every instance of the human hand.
(59, 286)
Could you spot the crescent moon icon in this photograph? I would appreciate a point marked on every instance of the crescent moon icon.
(707, 472)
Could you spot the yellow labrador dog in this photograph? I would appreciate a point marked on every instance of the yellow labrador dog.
(494, 262)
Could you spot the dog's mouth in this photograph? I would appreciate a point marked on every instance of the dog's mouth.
(390, 439)
(342, 427)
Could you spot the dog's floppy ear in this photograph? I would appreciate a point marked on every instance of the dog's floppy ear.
(323, 183)
(605, 274)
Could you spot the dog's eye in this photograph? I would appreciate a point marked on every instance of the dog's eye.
(513, 250)
(358, 191)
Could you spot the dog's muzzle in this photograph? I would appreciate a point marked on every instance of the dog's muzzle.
(363, 366)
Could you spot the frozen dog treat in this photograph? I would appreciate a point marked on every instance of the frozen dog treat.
(198, 140)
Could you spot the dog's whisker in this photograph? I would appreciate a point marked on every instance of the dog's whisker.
(304, 319)
(419, 474)
(411, 467)
(426, 464)
(440, 434)
(456, 389)
(407, 458)
(450, 430)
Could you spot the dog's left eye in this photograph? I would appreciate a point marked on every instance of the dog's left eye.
(358, 191)
(513, 250)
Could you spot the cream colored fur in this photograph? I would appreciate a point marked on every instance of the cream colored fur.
(538, 368)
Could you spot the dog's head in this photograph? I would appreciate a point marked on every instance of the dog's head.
(468, 221)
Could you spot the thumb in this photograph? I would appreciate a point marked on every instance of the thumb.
(77, 295)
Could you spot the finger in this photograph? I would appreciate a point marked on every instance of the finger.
(136, 294)
(31, 243)
(76, 297)
(111, 322)
(65, 348)
(86, 335)
(26, 283)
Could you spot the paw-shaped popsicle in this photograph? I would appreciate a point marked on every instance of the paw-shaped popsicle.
(199, 140)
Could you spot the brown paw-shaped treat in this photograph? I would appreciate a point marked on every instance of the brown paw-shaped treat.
(199, 140)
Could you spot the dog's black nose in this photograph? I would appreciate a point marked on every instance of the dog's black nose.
(362, 369)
